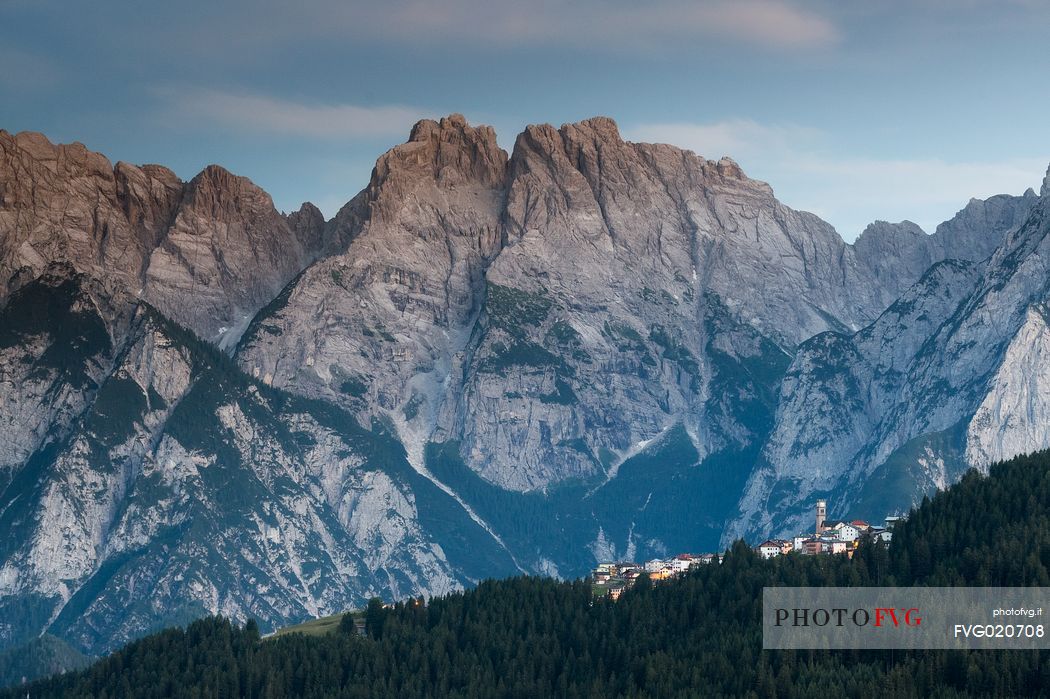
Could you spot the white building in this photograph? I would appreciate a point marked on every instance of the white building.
(680, 564)
(769, 549)
(654, 565)
(846, 532)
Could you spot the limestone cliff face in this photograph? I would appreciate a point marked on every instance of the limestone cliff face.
(148, 481)
(659, 206)
(599, 332)
(1012, 416)
(899, 253)
(227, 253)
(57, 345)
(837, 402)
(67, 204)
(377, 328)
(888, 248)
(563, 299)
(554, 314)
(948, 378)
(209, 253)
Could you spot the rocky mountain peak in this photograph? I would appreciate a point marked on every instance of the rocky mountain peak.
(148, 196)
(230, 249)
(891, 232)
(602, 127)
(208, 253)
(58, 157)
(66, 203)
(574, 145)
(218, 193)
(399, 298)
(308, 224)
(1045, 189)
(450, 150)
(728, 169)
(424, 129)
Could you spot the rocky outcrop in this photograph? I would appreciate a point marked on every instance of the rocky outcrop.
(227, 254)
(209, 253)
(1012, 416)
(899, 253)
(58, 341)
(948, 378)
(980, 227)
(623, 290)
(837, 400)
(377, 328)
(896, 253)
(65, 203)
(581, 239)
(172, 486)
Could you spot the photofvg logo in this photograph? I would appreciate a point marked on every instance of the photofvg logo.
(904, 617)
(840, 616)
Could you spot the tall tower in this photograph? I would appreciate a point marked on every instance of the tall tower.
(822, 511)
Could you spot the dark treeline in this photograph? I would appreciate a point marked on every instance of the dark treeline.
(696, 636)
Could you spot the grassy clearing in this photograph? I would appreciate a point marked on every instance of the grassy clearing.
(315, 627)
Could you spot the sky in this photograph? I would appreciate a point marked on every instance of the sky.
(856, 111)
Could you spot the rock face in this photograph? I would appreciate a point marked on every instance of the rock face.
(637, 300)
(836, 398)
(950, 377)
(209, 253)
(67, 204)
(615, 312)
(375, 329)
(899, 253)
(482, 364)
(562, 300)
(230, 252)
(179, 487)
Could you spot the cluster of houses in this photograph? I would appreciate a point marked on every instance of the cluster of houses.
(830, 537)
(611, 579)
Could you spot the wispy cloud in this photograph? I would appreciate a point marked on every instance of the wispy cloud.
(737, 138)
(760, 21)
(604, 25)
(773, 23)
(848, 191)
(263, 113)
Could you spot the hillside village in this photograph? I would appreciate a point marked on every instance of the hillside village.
(829, 537)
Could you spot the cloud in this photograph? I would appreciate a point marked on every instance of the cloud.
(737, 138)
(764, 22)
(605, 25)
(773, 23)
(848, 191)
(262, 113)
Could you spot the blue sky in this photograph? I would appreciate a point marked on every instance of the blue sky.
(853, 110)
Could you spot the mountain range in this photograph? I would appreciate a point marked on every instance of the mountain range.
(483, 364)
